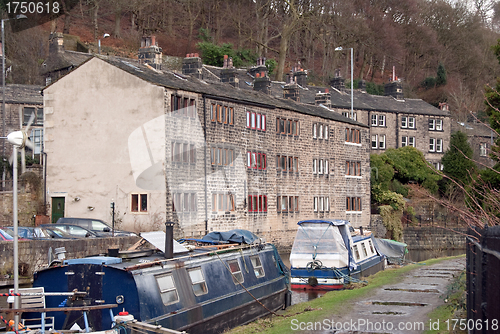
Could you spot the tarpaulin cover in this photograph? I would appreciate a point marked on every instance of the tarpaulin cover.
(236, 236)
(394, 251)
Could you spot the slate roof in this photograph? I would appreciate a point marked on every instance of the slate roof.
(23, 94)
(474, 129)
(342, 100)
(218, 90)
(60, 60)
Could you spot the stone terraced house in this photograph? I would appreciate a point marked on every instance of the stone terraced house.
(187, 148)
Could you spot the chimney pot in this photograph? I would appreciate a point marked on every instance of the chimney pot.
(327, 90)
(153, 40)
(257, 75)
(196, 55)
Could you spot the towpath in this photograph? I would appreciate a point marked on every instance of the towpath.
(398, 308)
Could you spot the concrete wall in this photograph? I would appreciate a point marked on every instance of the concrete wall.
(33, 254)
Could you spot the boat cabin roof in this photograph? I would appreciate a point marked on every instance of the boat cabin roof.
(335, 222)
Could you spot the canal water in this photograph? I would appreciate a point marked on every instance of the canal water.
(412, 256)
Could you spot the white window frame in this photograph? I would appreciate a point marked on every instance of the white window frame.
(315, 166)
(404, 141)
(381, 120)
(439, 125)
(432, 124)
(374, 120)
(326, 166)
(376, 141)
(439, 145)
(432, 144)
(381, 143)
(320, 167)
(483, 149)
(411, 122)
(315, 130)
(404, 122)
(315, 204)
(326, 132)
(320, 132)
(411, 141)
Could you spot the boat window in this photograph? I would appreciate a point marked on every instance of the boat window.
(199, 285)
(236, 271)
(356, 252)
(363, 247)
(257, 266)
(168, 291)
(371, 246)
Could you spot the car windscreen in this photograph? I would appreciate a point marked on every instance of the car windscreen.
(98, 225)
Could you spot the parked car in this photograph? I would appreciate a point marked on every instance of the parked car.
(95, 225)
(5, 236)
(74, 231)
(35, 233)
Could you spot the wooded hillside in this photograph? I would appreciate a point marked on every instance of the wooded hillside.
(442, 50)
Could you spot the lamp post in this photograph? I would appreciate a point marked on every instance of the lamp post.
(14, 172)
(99, 43)
(352, 81)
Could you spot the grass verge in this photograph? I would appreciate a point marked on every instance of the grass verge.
(445, 318)
(337, 302)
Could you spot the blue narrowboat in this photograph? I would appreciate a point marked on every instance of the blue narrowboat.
(326, 256)
(205, 290)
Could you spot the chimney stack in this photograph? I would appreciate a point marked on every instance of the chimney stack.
(444, 106)
(323, 98)
(338, 82)
(261, 81)
(191, 65)
(394, 88)
(169, 240)
(300, 75)
(56, 43)
(291, 90)
(150, 53)
(228, 73)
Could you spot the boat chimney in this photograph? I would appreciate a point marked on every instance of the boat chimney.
(361, 230)
(169, 240)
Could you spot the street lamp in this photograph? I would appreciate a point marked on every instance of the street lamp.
(99, 43)
(352, 81)
(14, 176)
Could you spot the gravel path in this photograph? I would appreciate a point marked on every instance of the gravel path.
(397, 308)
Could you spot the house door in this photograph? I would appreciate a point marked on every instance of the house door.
(57, 208)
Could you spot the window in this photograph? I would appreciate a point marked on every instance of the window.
(315, 166)
(407, 141)
(320, 166)
(221, 156)
(439, 145)
(411, 122)
(347, 114)
(381, 141)
(435, 124)
(183, 106)
(256, 160)
(315, 132)
(320, 131)
(139, 203)
(381, 120)
(374, 120)
(404, 122)
(363, 248)
(352, 136)
(353, 168)
(27, 113)
(286, 204)
(183, 153)
(221, 114)
(432, 144)
(287, 164)
(356, 252)
(257, 266)
(184, 202)
(198, 281)
(321, 204)
(37, 139)
(167, 288)
(287, 127)
(353, 204)
(257, 203)
(378, 141)
(223, 202)
(371, 246)
(483, 149)
(326, 132)
(234, 267)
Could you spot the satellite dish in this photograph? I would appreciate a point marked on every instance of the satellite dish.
(21, 140)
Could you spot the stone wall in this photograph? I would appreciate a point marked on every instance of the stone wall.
(33, 254)
(434, 238)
